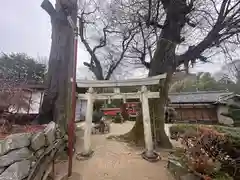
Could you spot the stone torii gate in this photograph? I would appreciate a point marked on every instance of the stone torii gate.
(143, 95)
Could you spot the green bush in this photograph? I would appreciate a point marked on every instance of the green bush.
(234, 113)
(222, 176)
(233, 133)
(109, 106)
(109, 117)
(181, 129)
(118, 118)
(219, 143)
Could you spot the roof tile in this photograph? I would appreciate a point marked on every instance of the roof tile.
(198, 97)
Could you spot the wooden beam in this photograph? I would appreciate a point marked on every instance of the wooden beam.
(106, 96)
(116, 90)
(112, 83)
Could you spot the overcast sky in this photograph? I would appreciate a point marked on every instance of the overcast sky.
(25, 27)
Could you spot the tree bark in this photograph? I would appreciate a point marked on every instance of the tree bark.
(136, 135)
(55, 100)
(124, 113)
(164, 61)
(166, 52)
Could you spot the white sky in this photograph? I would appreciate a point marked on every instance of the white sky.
(25, 27)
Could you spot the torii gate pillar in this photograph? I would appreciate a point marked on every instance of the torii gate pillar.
(149, 154)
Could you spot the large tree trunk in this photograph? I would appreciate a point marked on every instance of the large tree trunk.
(55, 101)
(165, 51)
(157, 113)
(136, 135)
(164, 62)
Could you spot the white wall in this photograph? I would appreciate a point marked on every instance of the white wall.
(35, 104)
(81, 106)
(35, 101)
(223, 119)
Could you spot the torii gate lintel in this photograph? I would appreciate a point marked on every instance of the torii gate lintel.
(143, 95)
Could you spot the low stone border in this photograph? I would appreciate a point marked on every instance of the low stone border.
(47, 159)
(27, 156)
(82, 156)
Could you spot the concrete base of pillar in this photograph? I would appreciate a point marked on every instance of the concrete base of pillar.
(151, 157)
(72, 177)
(84, 156)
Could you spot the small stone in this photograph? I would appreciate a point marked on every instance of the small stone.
(58, 134)
(33, 163)
(39, 152)
(32, 158)
(14, 156)
(38, 141)
(65, 137)
(1, 170)
(49, 132)
(14, 141)
(17, 171)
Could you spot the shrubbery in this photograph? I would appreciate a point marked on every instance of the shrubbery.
(209, 150)
(118, 118)
(234, 113)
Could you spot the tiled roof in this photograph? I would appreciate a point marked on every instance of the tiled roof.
(198, 97)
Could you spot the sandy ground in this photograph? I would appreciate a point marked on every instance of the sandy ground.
(114, 160)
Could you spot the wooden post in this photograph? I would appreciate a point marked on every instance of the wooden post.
(30, 102)
(124, 99)
(116, 90)
(147, 122)
(109, 100)
(88, 123)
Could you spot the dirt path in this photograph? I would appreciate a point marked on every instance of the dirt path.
(114, 160)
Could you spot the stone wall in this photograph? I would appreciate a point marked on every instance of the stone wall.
(27, 156)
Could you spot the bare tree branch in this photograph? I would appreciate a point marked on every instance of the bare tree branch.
(125, 44)
(94, 65)
(103, 41)
(111, 61)
(209, 22)
(48, 7)
(226, 26)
